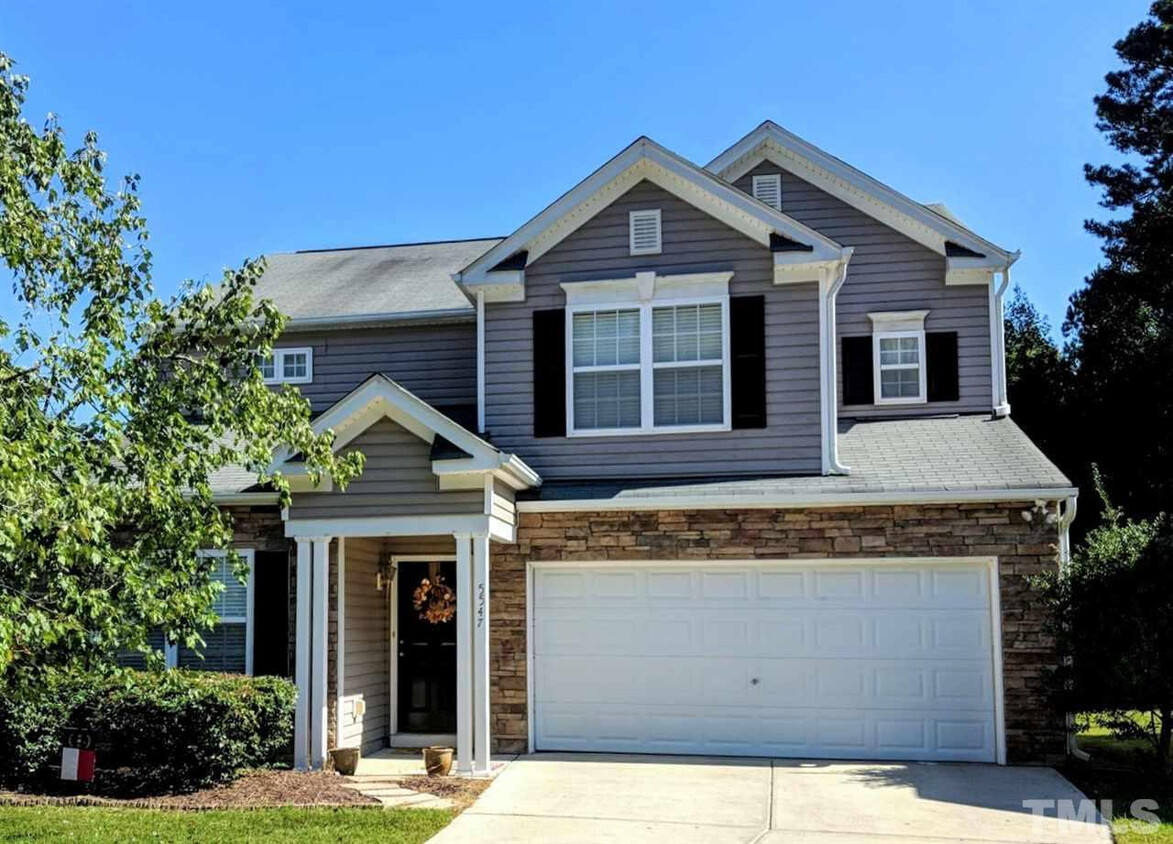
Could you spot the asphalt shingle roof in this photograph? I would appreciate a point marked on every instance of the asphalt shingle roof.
(935, 455)
(370, 281)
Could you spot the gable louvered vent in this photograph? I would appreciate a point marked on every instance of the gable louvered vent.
(645, 232)
(768, 189)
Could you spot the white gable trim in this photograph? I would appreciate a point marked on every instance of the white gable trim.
(380, 397)
(644, 159)
(770, 142)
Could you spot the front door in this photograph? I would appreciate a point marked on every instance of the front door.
(427, 651)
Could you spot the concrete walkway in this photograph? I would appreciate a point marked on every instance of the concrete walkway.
(588, 798)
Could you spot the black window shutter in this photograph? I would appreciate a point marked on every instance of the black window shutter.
(550, 373)
(858, 383)
(747, 353)
(941, 360)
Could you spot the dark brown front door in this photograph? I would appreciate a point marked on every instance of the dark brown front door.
(427, 655)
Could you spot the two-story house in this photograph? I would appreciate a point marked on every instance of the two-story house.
(713, 460)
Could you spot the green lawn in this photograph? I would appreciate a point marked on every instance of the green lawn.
(1122, 771)
(87, 825)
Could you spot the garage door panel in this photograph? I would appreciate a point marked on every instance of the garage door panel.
(841, 661)
(914, 734)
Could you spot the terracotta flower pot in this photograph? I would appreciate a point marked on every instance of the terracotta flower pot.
(437, 761)
(345, 760)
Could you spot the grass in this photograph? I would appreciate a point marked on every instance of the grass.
(85, 825)
(1123, 771)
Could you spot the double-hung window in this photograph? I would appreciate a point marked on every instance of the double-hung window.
(228, 644)
(288, 366)
(898, 354)
(688, 364)
(645, 363)
(606, 365)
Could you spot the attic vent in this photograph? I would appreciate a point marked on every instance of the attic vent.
(768, 189)
(645, 232)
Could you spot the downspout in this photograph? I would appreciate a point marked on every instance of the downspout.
(481, 362)
(1066, 517)
(830, 387)
(998, 341)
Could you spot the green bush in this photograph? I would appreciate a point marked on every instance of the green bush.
(156, 732)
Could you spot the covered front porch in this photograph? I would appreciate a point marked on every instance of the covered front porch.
(374, 669)
(371, 670)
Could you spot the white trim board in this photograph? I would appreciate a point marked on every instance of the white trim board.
(990, 563)
(791, 502)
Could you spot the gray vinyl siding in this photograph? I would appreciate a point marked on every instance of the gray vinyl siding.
(891, 272)
(436, 362)
(396, 481)
(366, 657)
(692, 242)
(504, 505)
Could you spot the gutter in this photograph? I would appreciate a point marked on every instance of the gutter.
(829, 290)
(784, 501)
(245, 498)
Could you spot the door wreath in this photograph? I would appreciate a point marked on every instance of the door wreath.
(435, 600)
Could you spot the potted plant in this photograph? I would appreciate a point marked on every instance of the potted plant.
(345, 760)
(437, 761)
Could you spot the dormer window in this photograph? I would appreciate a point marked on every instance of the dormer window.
(768, 189)
(644, 232)
(898, 353)
(288, 366)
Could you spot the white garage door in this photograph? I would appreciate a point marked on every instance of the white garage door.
(850, 661)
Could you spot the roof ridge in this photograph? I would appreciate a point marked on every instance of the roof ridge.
(390, 245)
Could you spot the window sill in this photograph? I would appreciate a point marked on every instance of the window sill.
(649, 432)
(897, 402)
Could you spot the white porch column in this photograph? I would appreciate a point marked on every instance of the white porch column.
(480, 671)
(464, 656)
(301, 669)
(319, 650)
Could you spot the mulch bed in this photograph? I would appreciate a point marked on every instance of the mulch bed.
(254, 790)
(461, 790)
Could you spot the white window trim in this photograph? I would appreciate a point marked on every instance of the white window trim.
(171, 651)
(776, 180)
(659, 232)
(647, 366)
(889, 325)
(279, 366)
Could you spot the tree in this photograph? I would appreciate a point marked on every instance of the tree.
(1037, 377)
(1120, 324)
(1112, 615)
(115, 409)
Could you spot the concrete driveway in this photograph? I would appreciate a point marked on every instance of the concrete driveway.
(586, 798)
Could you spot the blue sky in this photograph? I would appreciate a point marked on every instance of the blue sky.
(266, 127)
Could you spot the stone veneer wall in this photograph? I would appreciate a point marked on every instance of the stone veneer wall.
(261, 528)
(1024, 547)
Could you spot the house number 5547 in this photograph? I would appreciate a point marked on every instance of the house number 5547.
(480, 605)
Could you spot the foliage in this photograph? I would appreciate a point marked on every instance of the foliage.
(115, 410)
(1112, 618)
(297, 826)
(156, 731)
(1038, 377)
(1119, 323)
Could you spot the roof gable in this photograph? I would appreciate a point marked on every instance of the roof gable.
(940, 232)
(455, 449)
(501, 268)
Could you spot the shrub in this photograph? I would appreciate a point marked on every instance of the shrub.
(156, 732)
